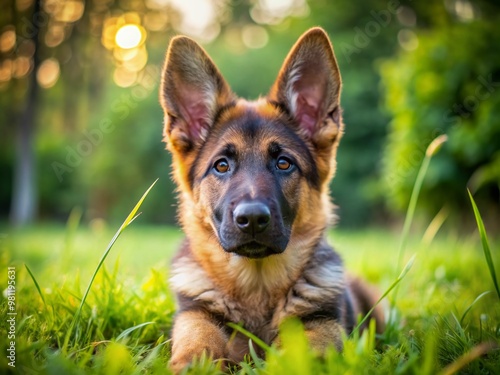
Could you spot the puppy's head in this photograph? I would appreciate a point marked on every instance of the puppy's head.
(253, 176)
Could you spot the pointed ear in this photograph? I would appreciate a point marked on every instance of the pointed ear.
(192, 90)
(308, 85)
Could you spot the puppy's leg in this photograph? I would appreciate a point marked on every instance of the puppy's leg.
(322, 333)
(365, 296)
(195, 332)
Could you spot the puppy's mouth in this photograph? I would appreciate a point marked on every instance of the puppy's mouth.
(254, 250)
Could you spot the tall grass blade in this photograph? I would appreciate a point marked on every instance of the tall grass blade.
(484, 241)
(431, 150)
(412, 205)
(401, 276)
(36, 283)
(71, 226)
(131, 217)
(472, 304)
(435, 225)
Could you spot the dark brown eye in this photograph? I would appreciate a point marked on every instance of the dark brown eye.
(283, 164)
(221, 166)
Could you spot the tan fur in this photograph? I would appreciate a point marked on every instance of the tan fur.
(203, 336)
(215, 286)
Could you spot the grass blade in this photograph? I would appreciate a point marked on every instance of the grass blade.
(250, 335)
(412, 205)
(476, 352)
(472, 304)
(35, 282)
(431, 150)
(485, 243)
(131, 217)
(401, 276)
(258, 362)
(132, 329)
(435, 225)
(72, 224)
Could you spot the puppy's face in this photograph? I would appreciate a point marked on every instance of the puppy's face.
(249, 176)
(254, 173)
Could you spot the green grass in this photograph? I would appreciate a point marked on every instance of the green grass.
(127, 316)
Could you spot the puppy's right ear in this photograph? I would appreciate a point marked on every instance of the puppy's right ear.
(192, 90)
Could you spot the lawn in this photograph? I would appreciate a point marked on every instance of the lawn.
(446, 314)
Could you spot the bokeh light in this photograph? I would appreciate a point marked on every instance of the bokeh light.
(5, 70)
(48, 73)
(125, 37)
(7, 40)
(199, 18)
(128, 36)
(22, 66)
(124, 77)
(275, 11)
(55, 34)
(407, 39)
(69, 11)
(254, 36)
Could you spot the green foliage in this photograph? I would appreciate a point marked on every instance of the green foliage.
(449, 84)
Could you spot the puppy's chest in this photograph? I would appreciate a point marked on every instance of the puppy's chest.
(196, 290)
(259, 310)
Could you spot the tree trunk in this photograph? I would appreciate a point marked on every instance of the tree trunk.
(24, 192)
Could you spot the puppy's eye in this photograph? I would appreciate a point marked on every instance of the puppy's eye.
(283, 164)
(221, 166)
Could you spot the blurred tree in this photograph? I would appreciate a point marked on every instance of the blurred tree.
(24, 194)
(33, 34)
(446, 80)
(49, 51)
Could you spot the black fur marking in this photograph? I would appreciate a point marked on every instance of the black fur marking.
(230, 151)
(189, 304)
(274, 150)
(221, 110)
(281, 107)
(191, 175)
(329, 310)
(251, 127)
(350, 319)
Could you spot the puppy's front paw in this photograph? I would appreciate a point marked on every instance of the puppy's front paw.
(184, 356)
(178, 362)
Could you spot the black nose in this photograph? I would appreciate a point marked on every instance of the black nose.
(252, 217)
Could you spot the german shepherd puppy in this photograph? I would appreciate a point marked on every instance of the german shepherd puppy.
(253, 181)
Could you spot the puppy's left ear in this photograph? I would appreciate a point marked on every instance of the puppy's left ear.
(308, 85)
(192, 91)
